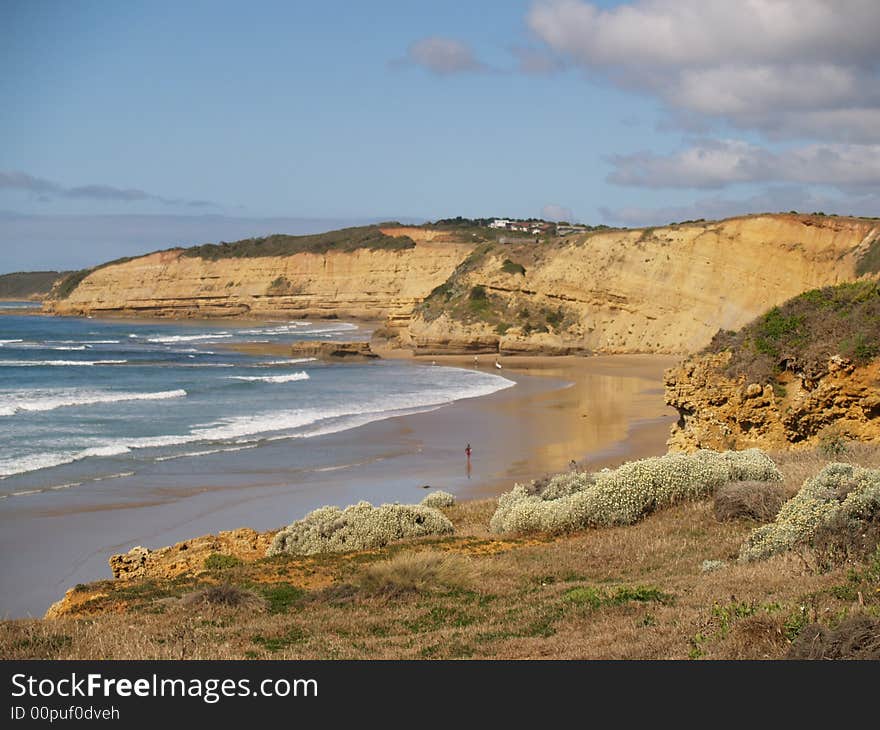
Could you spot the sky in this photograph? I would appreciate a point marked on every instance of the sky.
(127, 127)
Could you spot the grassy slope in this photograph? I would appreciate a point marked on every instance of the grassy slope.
(801, 334)
(470, 304)
(25, 284)
(346, 239)
(623, 592)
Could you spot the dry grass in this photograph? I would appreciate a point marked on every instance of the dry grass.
(418, 572)
(858, 637)
(633, 592)
(749, 500)
(227, 596)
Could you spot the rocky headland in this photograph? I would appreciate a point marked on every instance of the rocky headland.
(804, 374)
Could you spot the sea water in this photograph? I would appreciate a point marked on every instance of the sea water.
(87, 400)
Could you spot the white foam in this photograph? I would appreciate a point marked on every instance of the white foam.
(291, 361)
(35, 462)
(9, 342)
(69, 485)
(69, 347)
(272, 378)
(114, 476)
(49, 400)
(277, 330)
(113, 450)
(329, 329)
(285, 423)
(205, 453)
(84, 342)
(58, 363)
(187, 338)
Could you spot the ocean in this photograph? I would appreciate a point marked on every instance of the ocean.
(120, 402)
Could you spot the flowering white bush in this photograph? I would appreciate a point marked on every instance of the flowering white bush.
(438, 499)
(837, 490)
(358, 527)
(710, 566)
(572, 501)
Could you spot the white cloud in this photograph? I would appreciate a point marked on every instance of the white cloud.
(717, 163)
(442, 56)
(787, 67)
(47, 189)
(771, 200)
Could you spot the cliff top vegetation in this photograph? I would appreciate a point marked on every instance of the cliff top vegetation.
(279, 244)
(802, 334)
(25, 284)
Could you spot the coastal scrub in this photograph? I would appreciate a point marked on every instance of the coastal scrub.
(439, 499)
(358, 527)
(838, 492)
(573, 500)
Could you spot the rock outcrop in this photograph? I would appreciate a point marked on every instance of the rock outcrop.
(333, 350)
(189, 556)
(719, 412)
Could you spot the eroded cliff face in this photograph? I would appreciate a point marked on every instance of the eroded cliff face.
(663, 290)
(719, 412)
(365, 283)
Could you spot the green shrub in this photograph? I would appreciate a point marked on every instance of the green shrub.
(70, 282)
(281, 597)
(218, 561)
(345, 239)
(802, 334)
(358, 527)
(511, 267)
(869, 263)
(439, 499)
(838, 491)
(573, 500)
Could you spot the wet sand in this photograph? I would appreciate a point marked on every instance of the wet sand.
(598, 411)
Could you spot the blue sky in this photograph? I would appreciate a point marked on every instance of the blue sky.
(133, 126)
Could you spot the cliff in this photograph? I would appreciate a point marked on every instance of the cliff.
(804, 373)
(665, 290)
(363, 283)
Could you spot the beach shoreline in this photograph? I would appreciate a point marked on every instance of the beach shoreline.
(598, 411)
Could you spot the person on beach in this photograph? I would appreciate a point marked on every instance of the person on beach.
(467, 451)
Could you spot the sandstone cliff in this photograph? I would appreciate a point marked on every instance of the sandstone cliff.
(363, 283)
(665, 290)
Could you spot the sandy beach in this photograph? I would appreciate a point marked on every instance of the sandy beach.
(597, 411)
